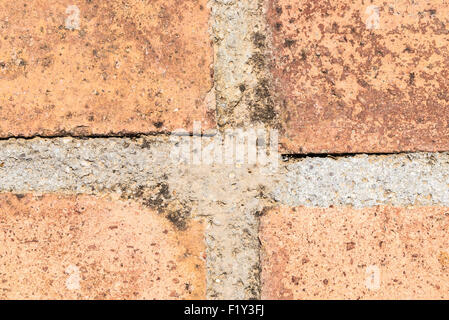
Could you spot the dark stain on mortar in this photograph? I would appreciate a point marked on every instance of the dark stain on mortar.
(257, 61)
(259, 40)
(159, 198)
(262, 106)
(253, 287)
(179, 216)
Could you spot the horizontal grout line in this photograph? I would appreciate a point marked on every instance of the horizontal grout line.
(365, 180)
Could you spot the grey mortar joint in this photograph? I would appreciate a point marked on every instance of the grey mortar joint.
(407, 179)
(243, 100)
(242, 80)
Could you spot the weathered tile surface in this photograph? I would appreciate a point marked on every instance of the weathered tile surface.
(86, 247)
(361, 76)
(104, 67)
(343, 253)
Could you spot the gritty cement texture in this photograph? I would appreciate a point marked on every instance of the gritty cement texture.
(242, 80)
(82, 166)
(363, 181)
(228, 197)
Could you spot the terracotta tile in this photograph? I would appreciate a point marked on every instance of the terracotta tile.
(104, 67)
(347, 84)
(86, 247)
(344, 253)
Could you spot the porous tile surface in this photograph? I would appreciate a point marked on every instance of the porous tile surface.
(345, 253)
(104, 67)
(361, 76)
(86, 247)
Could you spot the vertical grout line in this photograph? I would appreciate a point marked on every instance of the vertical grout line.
(243, 99)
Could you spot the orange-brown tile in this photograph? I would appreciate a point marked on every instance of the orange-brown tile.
(344, 253)
(86, 247)
(361, 76)
(104, 67)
